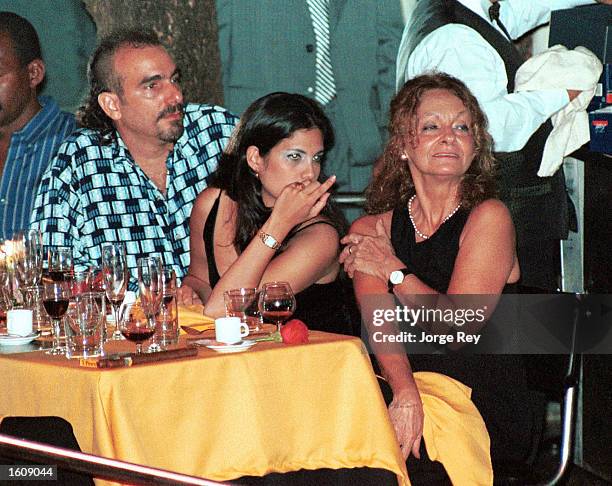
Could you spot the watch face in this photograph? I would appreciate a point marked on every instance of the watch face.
(396, 277)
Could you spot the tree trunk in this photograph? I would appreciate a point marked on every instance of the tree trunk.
(187, 27)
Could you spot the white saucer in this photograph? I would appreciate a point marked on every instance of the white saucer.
(226, 348)
(11, 340)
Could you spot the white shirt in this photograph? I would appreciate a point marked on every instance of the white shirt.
(461, 52)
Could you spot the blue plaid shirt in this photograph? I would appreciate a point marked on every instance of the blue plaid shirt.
(94, 193)
(30, 151)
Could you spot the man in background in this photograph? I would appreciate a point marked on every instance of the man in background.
(339, 52)
(132, 174)
(465, 38)
(31, 127)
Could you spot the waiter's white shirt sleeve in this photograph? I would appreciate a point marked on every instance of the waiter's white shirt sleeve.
(461, 52)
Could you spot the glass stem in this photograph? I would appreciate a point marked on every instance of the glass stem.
(57, 328)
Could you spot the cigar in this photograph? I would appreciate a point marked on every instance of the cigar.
(122, 360)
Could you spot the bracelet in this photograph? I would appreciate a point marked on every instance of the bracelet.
(269, 240)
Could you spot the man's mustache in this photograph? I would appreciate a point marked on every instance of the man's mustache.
(178, 108)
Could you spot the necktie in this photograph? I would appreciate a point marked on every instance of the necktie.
(325, 86)
(494, 15)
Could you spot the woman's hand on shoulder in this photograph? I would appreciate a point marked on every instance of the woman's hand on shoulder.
(300, 202)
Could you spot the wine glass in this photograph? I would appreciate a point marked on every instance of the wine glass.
(115, 271)
(60, 263)
(151, 290)
(276, 302)
(29, 251)
(55, 302)
(137, 327)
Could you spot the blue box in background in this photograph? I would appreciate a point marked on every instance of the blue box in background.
(600, 124)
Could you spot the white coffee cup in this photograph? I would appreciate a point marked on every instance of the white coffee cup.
(230, 330)
(19, 322)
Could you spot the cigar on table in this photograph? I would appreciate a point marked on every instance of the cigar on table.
(128, 359)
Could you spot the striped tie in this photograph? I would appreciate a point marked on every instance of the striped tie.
(325, 86)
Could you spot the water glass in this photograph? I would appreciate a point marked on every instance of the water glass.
(243, 303)
(84, 326)
(150, 287)
(34, 301)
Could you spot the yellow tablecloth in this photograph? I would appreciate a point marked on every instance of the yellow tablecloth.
(272, 408)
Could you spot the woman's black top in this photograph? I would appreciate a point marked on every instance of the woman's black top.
(321, 306)
(498, 382)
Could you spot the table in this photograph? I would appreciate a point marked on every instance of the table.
(220, 416)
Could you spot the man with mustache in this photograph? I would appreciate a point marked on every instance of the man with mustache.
(31, 127)
(132, 173)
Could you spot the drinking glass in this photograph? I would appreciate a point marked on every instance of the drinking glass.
(114, 268)
(243, 303)
(60, 263)
(28, 257)
(81, 282)
(84, 326)
(151, 291)
(276, 302)
(57, 296)
(137, 327)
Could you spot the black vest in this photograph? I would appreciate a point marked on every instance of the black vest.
(538, 204)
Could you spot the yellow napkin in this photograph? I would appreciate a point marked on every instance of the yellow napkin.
(193, 316)
(454, 431)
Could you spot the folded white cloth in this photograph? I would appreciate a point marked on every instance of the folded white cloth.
(560, 68)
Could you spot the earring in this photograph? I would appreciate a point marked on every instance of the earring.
(404, 157)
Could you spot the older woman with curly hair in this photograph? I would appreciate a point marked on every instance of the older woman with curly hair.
(435, 227)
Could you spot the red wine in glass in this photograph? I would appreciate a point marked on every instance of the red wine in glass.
(137, 336)
(277, 302)
(56, 308)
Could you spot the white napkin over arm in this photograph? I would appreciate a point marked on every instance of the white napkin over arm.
(559, 68)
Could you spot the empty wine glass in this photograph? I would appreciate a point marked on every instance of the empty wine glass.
(151, 291)
(277, 302)
(55, 302)
(29, 252)
(60, 263)
(115, 271)
(137, 327)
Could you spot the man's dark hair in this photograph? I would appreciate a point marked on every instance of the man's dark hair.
(102, 77)
(24, 37)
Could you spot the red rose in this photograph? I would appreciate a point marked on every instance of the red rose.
(294, 332)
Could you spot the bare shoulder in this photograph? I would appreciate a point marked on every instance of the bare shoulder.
(490, 211)
(366, 225)
(205, 200)
(318, 230)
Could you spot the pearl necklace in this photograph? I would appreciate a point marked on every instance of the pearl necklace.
(416, 230)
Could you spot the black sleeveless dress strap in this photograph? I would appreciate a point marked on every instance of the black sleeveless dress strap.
(209, 243)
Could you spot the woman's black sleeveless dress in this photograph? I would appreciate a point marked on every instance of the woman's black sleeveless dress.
(321, 306)
(498, 382)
